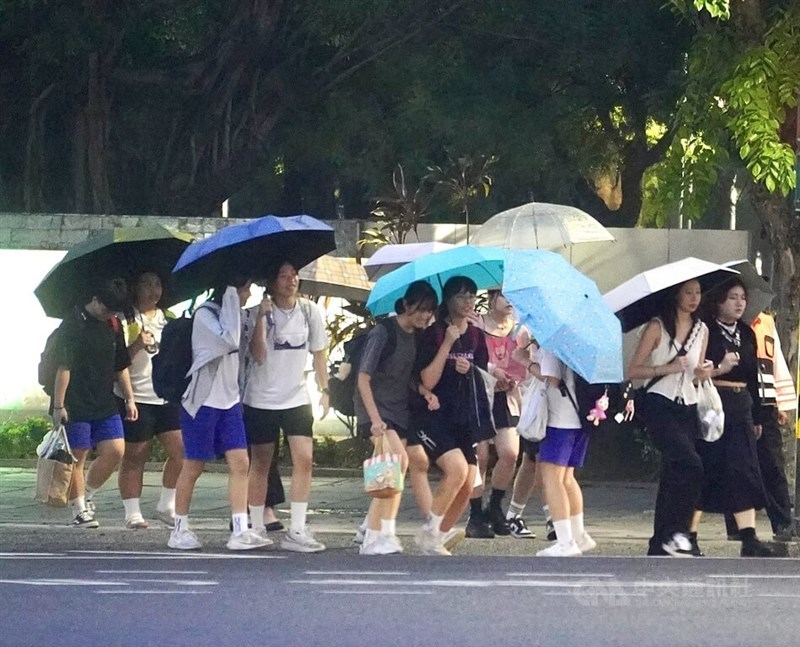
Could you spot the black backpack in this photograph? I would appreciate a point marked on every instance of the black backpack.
(587, 395)
(342, 392)
(174, 359)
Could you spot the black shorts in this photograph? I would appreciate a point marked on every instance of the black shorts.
(500, 412)
(530, 447)
(153, 419)
(364, 430)
(264, 426)
(440, 436)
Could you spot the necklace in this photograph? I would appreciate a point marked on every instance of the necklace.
(288, 312)
(731, 332)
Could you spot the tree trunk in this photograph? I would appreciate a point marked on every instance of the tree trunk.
(96, 124)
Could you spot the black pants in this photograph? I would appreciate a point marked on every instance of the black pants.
(673, 428)
(773, 472)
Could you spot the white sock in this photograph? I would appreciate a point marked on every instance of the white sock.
(563, 531)
(576, 522)
(298, 516)
(181, 523)
(514, 509)
(364, 524)
(166, 503)
(370, 536)
(90, 492)
(388, 526)
(132, 508)
(547, 512)
(78, 504)
(239, 522)
(435, 522)
(257, 516)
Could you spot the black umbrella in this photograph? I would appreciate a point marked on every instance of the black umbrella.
(121, 252)
(253, 248)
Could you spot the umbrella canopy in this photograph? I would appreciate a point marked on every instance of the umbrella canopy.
(540, 225)
(253, 248)
(120, 252)
(333, 276)
(640, 299)
(484, 265)
(759, 292)
(565, 313)
(390, 257)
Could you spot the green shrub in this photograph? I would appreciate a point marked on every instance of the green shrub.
(19, 438)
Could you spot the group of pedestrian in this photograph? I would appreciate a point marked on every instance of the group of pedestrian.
(436, 384)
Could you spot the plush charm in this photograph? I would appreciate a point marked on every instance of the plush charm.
(598, 413)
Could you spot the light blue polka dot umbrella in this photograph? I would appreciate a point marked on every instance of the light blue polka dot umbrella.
(565, 313)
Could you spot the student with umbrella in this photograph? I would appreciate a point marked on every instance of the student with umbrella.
(731, 475)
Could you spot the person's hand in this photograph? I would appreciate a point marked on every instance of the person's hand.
(432, 400)
(462, 365)
(504, 383)
(758, 429)
(131, 412)
(679, 364)
(325, 403)
(475, 319)
(783, 418)
(60, 417)
(703, 371)
(265, 307)
(729, 362)
(146, 338)
(377, 428)
(452, 334)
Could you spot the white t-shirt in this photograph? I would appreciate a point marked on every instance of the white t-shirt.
(280, 382)
(224, 392)
(560, 410)
(141, 368)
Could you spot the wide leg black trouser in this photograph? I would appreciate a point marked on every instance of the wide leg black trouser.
(673, 428)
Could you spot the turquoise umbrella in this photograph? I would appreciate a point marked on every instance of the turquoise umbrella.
(565, 313)
(484, 265)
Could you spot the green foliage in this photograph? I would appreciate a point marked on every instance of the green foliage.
(342, 453)
(18, 439)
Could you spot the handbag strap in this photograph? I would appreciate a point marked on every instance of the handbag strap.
(681, 351)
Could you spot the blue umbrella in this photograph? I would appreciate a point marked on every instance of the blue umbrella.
(253, 248)
(484, 265)
(565, 312)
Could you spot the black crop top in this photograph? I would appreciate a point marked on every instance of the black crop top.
(742, 341)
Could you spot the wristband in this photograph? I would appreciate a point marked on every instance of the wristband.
(129, 400)
(58, 408)
(325, 391)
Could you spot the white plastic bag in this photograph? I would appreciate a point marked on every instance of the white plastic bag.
(709, 411)
(533, 417)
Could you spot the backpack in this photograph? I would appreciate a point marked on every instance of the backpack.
(342, 390)
(588, 402)
(174, 359)
(48, 360)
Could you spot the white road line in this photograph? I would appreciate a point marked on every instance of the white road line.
(584, 575)
(63, 582)
(509, 583)
(31, 554)
(376, 592)
(398, 573)
(777, 595)
(143, 572)
(175, 582)
(153, 592)
(755, 577)
(152, 557)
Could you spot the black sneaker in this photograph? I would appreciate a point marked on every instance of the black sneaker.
(550, 529)
(499, 523)
(519, 528)
(478, 527)
(785, 534)
(85, 519)
(678, 546)
(756, 548)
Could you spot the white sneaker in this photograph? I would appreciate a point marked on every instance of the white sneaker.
(678, 546)
(381, 545)
(560, 550)
(136, 522)
(184, 540)
(453, 537)
(301, 542)
(586, 543)
(431, 542)
(361, 533)
(248, 540)
(166, 516)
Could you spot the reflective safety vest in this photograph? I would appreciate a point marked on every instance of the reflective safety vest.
(775, 380)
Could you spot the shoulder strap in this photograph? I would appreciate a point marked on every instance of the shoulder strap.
(698, 325)
(305, 307)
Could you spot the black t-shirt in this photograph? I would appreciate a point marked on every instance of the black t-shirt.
(93, 351)
(453, 389)
(742, 341)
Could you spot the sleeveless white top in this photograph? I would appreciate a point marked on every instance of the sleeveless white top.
(678, 386)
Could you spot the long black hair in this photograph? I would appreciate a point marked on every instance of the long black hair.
(669, 310)
(454, 285)
(236, 278)
(419, 296)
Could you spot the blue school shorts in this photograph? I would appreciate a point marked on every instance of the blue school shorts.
(85, 434)
(565, 447)
(212, 432)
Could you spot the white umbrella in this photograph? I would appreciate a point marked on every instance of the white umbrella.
(540, 225)
(390, 257)
(759, 292)
(640, 299)
(333, 276)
